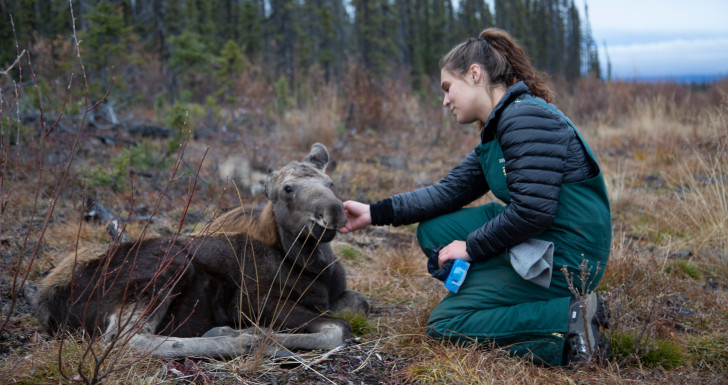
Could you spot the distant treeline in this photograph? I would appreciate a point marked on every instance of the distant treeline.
(287, 38)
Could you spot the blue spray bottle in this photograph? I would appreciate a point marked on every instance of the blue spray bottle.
(457, 275)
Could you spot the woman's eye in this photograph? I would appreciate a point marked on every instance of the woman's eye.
(288, 189)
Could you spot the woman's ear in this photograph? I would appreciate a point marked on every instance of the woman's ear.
(475, 73)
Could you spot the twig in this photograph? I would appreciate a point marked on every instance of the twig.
(371, 351)
(189, 167)
(325, 356)
(17, 59)
(18, 85)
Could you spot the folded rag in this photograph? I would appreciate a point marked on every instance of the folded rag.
(533, 260)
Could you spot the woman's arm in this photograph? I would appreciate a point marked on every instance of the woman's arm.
(462, 185)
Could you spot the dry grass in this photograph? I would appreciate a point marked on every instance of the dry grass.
(662, 151)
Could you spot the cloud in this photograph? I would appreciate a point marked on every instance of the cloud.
(704, 56)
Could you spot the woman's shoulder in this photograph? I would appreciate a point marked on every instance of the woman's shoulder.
(530, 111)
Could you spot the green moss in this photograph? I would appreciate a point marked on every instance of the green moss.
(667, 354)
(683, 269)
(660, 352)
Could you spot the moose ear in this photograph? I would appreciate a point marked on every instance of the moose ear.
(269, 191)
(318, 157)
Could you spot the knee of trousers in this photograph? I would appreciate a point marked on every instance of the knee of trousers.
(425, 231)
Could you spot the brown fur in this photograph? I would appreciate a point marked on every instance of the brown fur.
(261, 227)
(64, 272)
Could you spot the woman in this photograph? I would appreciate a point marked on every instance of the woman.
(533, 160)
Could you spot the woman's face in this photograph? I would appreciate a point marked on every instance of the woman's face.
(467, 96)
(461, 96)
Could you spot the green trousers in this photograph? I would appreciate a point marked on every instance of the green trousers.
(495, 304)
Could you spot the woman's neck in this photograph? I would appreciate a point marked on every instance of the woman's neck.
(492, 99)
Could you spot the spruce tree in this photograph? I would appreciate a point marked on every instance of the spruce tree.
(105, 40)
(573, 60)
(249, 29)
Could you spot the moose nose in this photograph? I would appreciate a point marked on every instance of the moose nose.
(332, 214)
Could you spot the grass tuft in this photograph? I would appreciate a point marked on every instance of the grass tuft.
(684, 269)
(360, 324)
(660, 352)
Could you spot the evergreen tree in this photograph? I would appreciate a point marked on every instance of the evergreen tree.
(200, 21)
(609, 63)
(231, 61)
(187, 56)
(590, 49)
(438, 23)
(409, 40)
(573, 44)
(106, 37)
(230, 64)
(319, 41)
(473, 16)
(374, 25)
(289, 37)
(511, 15)
(281, 38)
(26, 20)
(249, 29)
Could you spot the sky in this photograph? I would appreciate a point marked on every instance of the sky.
(668, 38)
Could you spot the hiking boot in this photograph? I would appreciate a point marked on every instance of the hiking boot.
(585, 339)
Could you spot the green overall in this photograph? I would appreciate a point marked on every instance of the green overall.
(495, 303)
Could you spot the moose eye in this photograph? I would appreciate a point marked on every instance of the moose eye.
(288, 189)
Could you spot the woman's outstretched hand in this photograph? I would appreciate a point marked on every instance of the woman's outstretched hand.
(358, 215)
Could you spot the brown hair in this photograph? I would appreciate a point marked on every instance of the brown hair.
(498, 54)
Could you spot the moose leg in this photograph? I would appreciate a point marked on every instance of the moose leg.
(175, 347)
(232, 343)
(133, 318)
(351, 300)
(133, 328)
(317, 330)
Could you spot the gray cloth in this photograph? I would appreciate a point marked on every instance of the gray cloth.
(533, 260)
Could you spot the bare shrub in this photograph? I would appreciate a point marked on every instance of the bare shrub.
(364, 103)
(318, 119)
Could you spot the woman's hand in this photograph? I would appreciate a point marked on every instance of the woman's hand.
(358, 215)
(455, 250)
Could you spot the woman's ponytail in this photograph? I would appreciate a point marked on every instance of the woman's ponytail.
(500, 57)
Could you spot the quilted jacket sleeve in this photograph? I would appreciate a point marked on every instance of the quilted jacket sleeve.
(462, 185)
(534, 141)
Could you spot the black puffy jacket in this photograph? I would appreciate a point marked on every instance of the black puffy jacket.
(541, 152)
